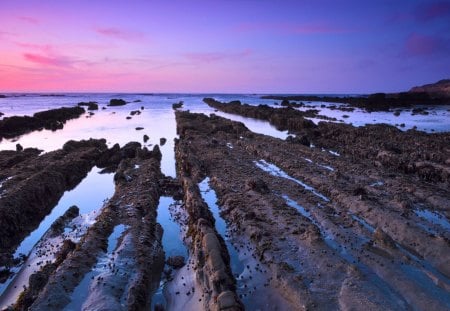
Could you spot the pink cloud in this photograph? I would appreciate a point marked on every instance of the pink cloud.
(424, 45)
(289, 28)
(117, 33)
(434, 10)
(56, 61)
(209, 57)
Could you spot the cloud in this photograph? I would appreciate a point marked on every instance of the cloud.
(210, 57)
(55, 61)
(417, 45)
(121, 34)
(431, 11)
(290, 28)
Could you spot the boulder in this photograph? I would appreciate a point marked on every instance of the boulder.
(117, 102)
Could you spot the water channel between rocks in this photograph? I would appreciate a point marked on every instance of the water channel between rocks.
(251, 275)
(104, 262)
(173, 245)
(89, 195)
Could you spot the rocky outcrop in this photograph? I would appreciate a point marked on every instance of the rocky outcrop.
(38, 182)
(429, 94)
(89, 105)
(51, 120)
(283, 119)
(440, 88)
(411, 152)
(334, 231)
(37, 185)
(117, 102)
(138, 259)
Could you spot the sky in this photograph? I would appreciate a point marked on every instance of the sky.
(223, 46)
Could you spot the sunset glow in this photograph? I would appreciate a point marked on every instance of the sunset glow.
(222, 46)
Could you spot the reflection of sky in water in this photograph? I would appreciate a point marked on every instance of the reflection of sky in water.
(158, 119)
(88, 196)
(172, 241)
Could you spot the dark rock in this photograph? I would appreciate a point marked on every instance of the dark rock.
(137, 101)
(128, 118)
(90, 105)
(135, 112)
(299, 140)
(177, 105)
(19, 147)
(139, 128)
(51, 119)
(117, 102)
(146, 138)
(162, 141)
(359, 191)
(129, 150)
(176, 262)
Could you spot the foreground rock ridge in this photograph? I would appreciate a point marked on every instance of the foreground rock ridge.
(334, 217)
(332, 237)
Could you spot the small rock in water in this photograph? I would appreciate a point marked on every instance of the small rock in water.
(175, 261)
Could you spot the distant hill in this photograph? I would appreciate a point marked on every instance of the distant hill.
(441, 88)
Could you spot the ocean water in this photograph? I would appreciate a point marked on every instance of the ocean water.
(158, 119)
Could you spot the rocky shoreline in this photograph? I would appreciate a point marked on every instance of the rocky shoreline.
(50, 119)
(333, 217)
(353, 239)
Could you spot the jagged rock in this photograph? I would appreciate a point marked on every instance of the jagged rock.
(146, 138)
(51, 119)
(162, 141)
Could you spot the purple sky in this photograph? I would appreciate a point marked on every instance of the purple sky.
(228, 46)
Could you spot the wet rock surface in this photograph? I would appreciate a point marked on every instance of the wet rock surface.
(334, 217)
(51, 120)
(411, 152)
(36, 185)
(335, 230)
(135, 263)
